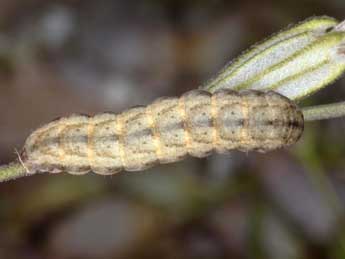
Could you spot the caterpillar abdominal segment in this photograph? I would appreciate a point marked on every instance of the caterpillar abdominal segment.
(165, 131)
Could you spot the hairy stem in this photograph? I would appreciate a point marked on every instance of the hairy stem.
(324, 112)
(12, 171)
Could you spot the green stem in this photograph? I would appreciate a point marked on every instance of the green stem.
(324, 112)
(12, 171)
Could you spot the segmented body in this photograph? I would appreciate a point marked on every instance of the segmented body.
(165, 131)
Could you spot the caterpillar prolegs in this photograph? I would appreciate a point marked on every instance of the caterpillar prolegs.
(165, 131)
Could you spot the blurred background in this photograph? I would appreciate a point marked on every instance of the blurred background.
(71, 56)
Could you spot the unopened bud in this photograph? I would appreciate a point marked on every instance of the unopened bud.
(295, 62)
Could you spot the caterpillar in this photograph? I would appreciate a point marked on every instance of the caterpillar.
(165, 131)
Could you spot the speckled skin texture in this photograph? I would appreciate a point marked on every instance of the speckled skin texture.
(165, 131)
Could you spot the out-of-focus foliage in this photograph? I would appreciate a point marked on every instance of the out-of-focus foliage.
(68, 56)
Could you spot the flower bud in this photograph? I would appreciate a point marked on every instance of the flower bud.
(295, 62)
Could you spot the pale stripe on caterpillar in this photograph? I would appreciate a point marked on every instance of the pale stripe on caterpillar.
(165, 131)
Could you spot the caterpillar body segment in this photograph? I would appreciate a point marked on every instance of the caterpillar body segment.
(165, 131)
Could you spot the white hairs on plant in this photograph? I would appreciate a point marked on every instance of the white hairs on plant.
(340, 26)
(295, 62)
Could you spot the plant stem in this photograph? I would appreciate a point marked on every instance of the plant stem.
(12, 171)
(324, 112)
